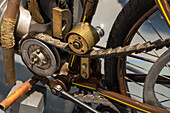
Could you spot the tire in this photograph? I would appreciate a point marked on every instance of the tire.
(129, 15)
(122, 33)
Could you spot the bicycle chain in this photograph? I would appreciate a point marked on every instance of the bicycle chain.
(119, 51)
(96, 99)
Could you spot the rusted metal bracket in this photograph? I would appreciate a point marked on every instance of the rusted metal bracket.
(35, 11)
(85, 68)
(62, 19)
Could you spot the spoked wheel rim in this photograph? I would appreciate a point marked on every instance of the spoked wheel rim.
(121, 65)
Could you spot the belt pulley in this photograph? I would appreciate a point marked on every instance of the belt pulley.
(41, 59)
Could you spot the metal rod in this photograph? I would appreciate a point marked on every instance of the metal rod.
(89, 10)
(141, 78)
(154, 29)
(143, 86)
(83, 105)
(129, 102)
(5, 104)
(82, 2)
(142, 58)
(9, 65)
(164, 9)
(57, 90)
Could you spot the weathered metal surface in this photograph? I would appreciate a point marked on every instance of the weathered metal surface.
(96, 99)
(39, 58)
(8, 52)
(89, 9)
(116, 97)
(82, 38)
(85, 68)
(130, 102)
(18, 93)
(138, 48)
(23, 22)
(57, 90)
(62, 19)
(9, 66)
(35, 11)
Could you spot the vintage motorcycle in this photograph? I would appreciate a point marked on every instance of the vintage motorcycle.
(58, 41)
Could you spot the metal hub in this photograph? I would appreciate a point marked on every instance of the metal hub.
(39, 58)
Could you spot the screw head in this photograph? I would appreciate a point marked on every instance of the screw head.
(38, 51)
(76, 45)
(84, 74)
(84, 66)
(59, 88)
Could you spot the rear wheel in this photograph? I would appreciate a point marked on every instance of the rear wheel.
(138, 20)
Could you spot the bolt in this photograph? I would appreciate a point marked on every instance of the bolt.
(100, 31)
(84, 74)
(44, 62)
(76, 45)
(38, 51)
(58, 88)
(84, 66)
(34, 60)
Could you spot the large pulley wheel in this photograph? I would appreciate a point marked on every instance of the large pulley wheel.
(39, 58)
(149, 95)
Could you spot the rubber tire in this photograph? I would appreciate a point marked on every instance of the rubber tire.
(129, 15)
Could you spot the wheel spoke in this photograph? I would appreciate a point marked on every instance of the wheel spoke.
(150, 54)
(165, 77)
(141, 36)
(143, 86)
(164, 100)
(146, 59)
(139, 77)
(154, 29)
(154, 49)
(134, 95)
(145, 69)
(136, 66)
(142, 58)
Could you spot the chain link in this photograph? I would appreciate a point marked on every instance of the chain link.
(96, 99)
(119, 51)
